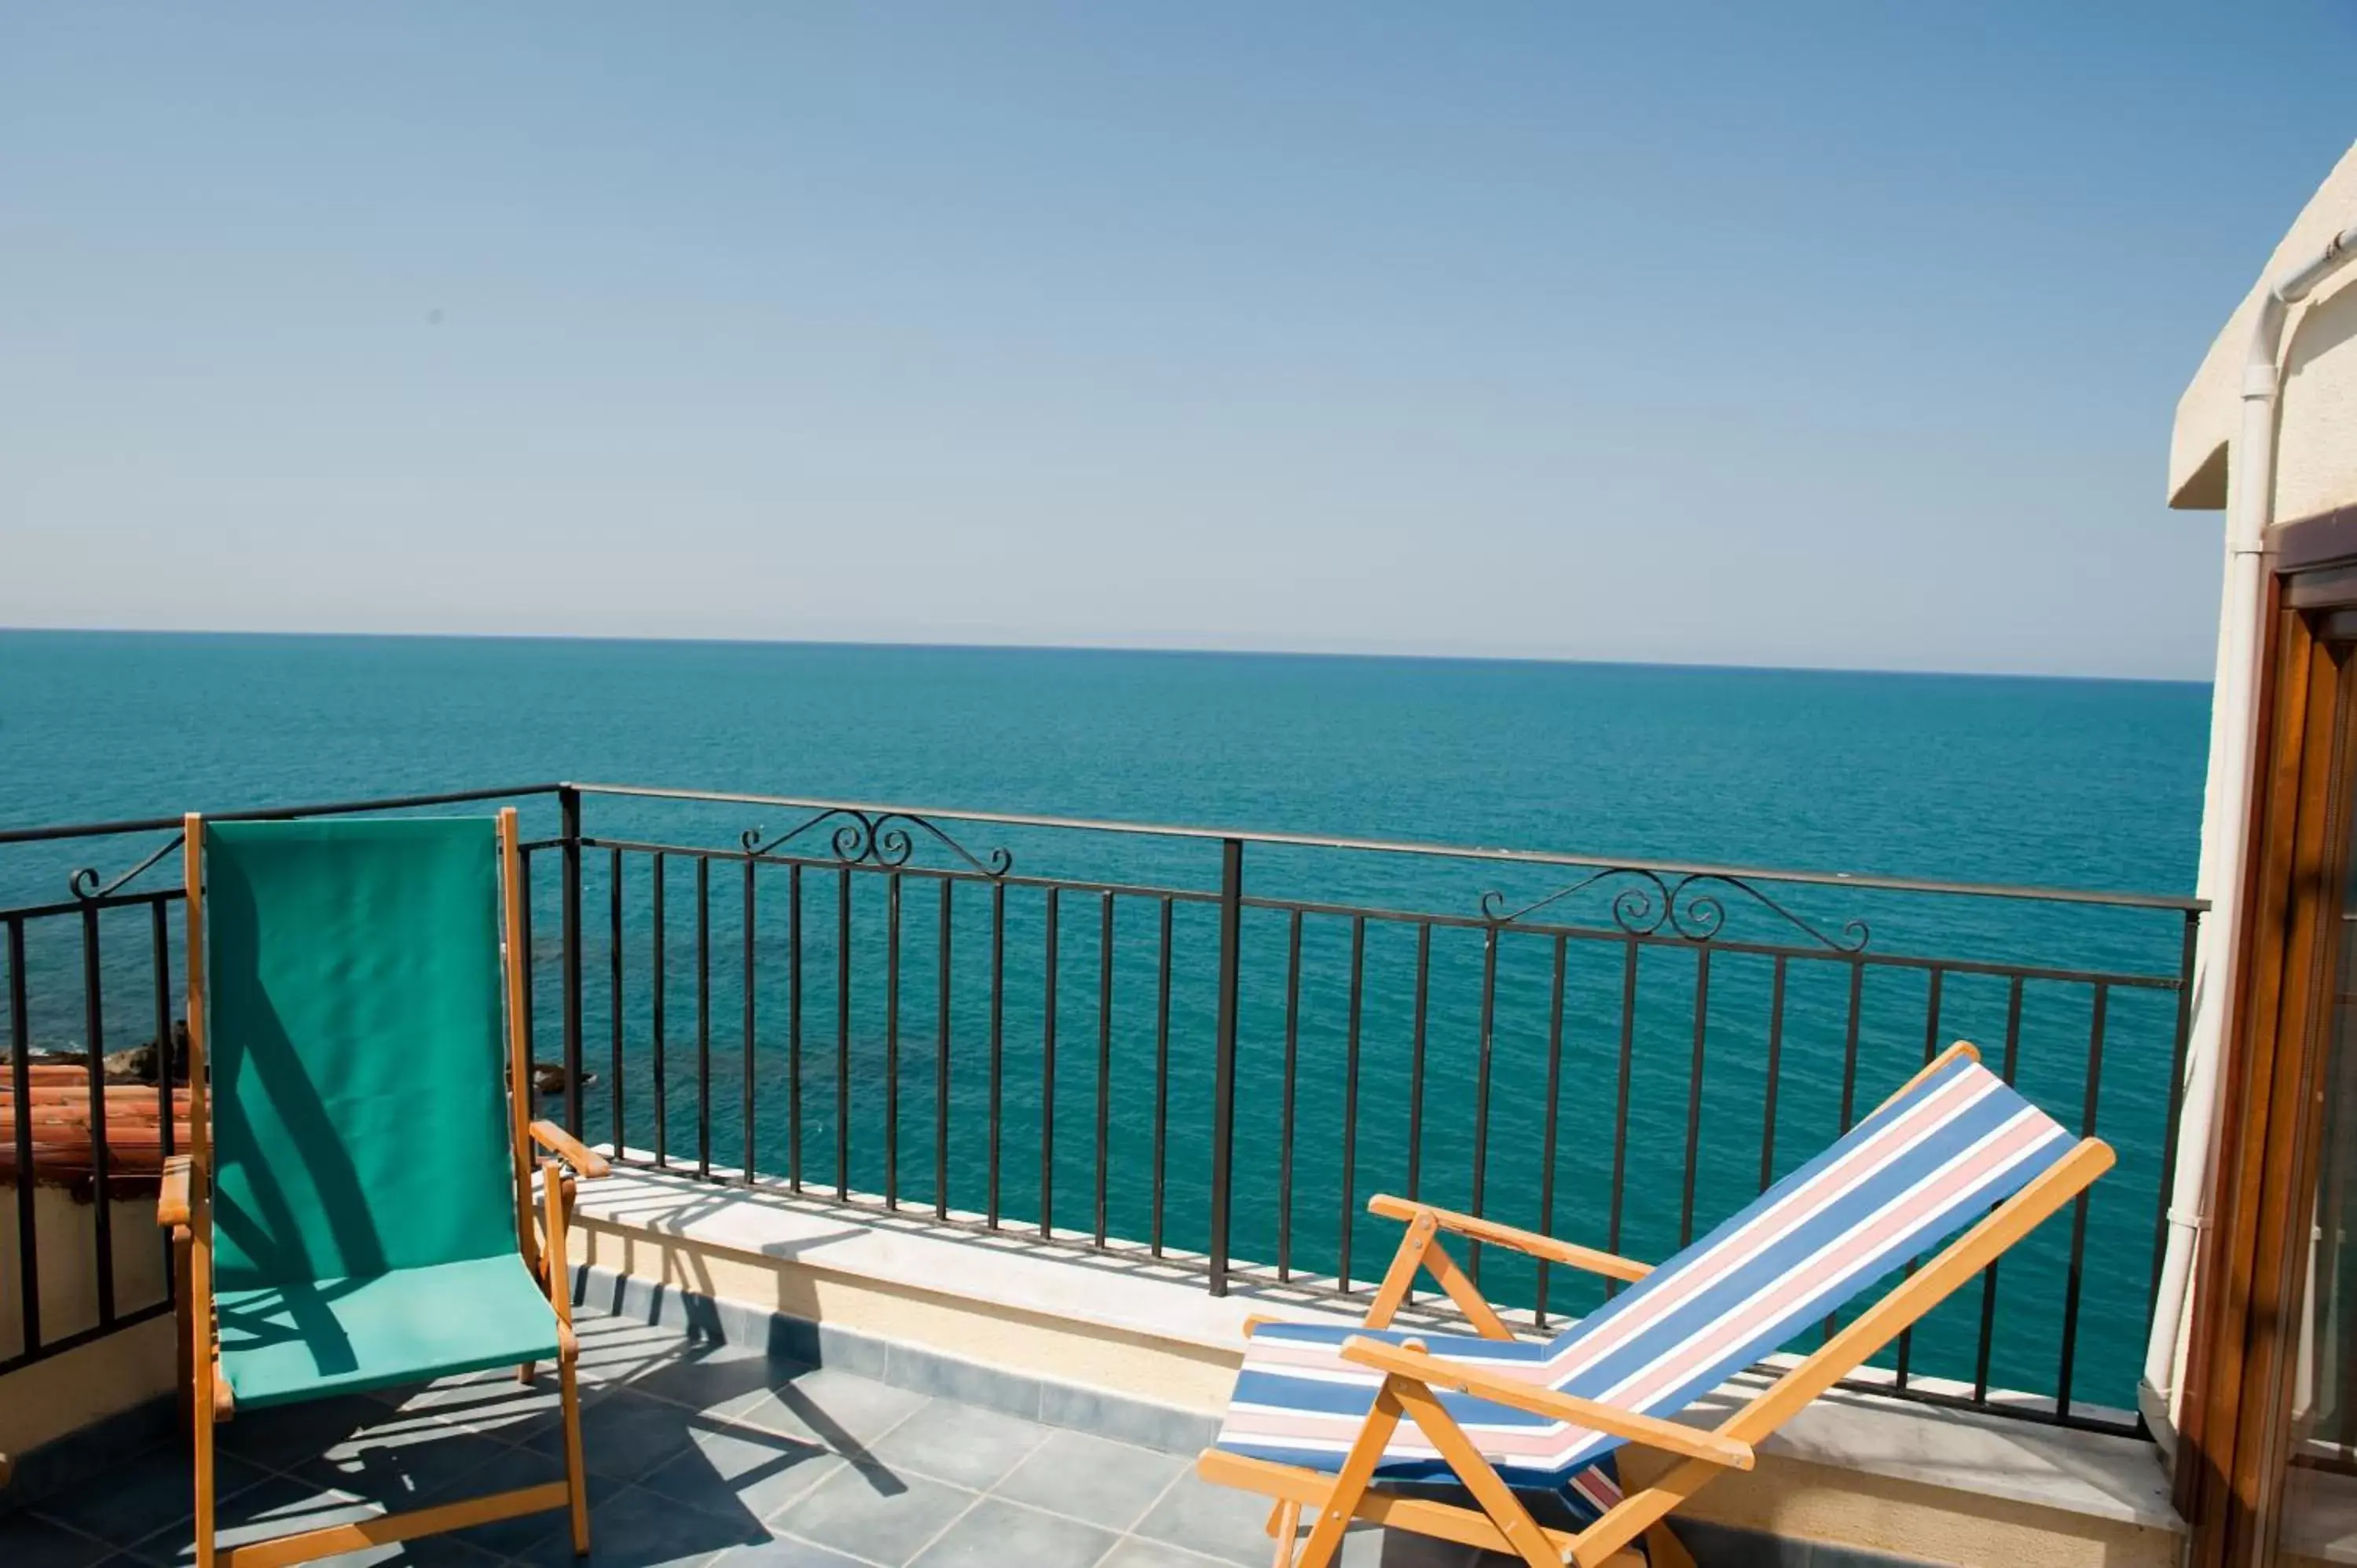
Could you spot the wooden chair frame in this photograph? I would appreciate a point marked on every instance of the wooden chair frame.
(185, 1206)
(1413, 1378)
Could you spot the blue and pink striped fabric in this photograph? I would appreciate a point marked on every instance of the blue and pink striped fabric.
(1904, 1180)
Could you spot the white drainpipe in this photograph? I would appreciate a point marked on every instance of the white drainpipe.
(2226, 852)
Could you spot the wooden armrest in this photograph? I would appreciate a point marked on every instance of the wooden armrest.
(1526, 1242)
(1669, 1436)
(571, 1150)
(172, 1194)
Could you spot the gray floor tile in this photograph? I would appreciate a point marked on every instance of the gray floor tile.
(399, 1466)
(994, 1532)
(27, 1542)
(1090, 1480)
(427, 1552)
(280, 1506)
(279, 1437)
(1137, 1551)
(1719, 1546)
(624, 1434)
(707, 1377)
(741, 1472)
(513, 1469)
(136, 1499)
(434, 1552)
(1218, 1522)
(959, 1443)
(617, 1350)
(829, 1408)
(1366, 1546)
(785, 1551)
(402, 1393)
(502, 1411)
(632, 1527)
(874, 1513)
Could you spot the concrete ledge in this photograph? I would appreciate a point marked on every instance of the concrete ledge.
(1002, 1320)
(1046, 1400)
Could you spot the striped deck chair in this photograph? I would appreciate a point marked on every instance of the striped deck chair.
(1345, 1421)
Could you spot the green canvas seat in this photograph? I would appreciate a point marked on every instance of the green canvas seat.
(282, 1343)
(363, 1143)
(357, 1201)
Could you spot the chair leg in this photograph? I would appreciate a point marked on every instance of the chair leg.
(1284, 1522)
(576, 1482)
(1350, 1481)
(201, 1440)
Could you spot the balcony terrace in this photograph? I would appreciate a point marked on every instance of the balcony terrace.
(955, 1149)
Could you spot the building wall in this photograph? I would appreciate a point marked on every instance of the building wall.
(66, 1228)
(2316, 462)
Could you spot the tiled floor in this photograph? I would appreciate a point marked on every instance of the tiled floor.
(699, 1454)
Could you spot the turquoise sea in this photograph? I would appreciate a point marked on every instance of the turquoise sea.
(2085, 784)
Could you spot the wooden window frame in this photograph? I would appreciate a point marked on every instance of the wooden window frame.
(2235, 1417)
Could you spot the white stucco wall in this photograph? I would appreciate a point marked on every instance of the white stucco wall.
(67, 1235)
(2316, 462)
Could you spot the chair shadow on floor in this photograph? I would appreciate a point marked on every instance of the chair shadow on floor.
(678, 1435)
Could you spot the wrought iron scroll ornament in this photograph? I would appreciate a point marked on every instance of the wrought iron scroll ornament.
(880, 838)
(1691, 905)
(84, 883)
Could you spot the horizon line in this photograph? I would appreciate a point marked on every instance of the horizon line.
(1145, 650)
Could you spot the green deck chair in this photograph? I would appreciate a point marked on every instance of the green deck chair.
(357, 1211)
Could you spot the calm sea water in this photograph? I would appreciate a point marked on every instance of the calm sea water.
(2064, 783)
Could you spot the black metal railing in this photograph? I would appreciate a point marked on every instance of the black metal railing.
(1094, 1033)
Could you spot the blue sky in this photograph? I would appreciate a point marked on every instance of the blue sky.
(1798, 335)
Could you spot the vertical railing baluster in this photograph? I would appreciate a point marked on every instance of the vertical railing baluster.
(159, 967)
(655, 988)
(1694, 1095)
(568, 805)
(614, 979)
(1351, 1098)
(842, 1035)
(1161, 1079)
(1105, 1053)
(1223, 1071)
(20, 1083)
(1849, 1075)
(1775, 1076)
(941, 1065)
(101, 1157)
(1988, 1275)
(1285, 1111)
(997, 1033)
(1620, 1102)
(1048, 1080)
(704, 1015)
(1931, 1049)
(2079, 1209)
(1484, 1050)
(752, 926)
(1849, 1047)
(1554, 1096)
(1415, 1061)
(891, 1040)
(794, 1028)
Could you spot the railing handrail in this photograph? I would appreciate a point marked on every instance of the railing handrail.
(268, 814)
(2128, 901)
